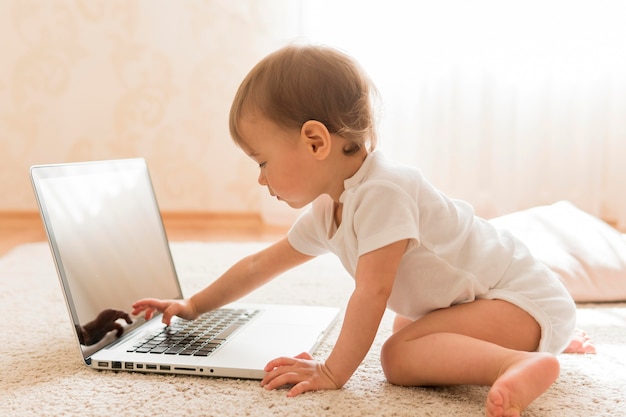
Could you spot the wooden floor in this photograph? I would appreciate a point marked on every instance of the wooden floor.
(26, 227)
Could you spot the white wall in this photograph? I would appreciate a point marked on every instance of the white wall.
(505, 104)
(86, 80)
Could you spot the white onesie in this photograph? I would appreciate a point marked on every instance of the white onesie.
(453, 256)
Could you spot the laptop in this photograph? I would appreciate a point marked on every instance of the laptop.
(110, 249)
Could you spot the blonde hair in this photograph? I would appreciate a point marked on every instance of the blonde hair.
(299, 83)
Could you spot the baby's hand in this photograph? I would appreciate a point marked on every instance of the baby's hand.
(170, 308)
(302, 371)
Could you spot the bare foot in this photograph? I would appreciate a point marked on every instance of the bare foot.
(525, 379)
(581, 343)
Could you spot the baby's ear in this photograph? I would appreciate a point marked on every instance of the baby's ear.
(317, 138)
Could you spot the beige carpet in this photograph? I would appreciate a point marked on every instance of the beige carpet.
(41, 372)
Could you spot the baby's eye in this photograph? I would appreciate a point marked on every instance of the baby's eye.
(262, 164)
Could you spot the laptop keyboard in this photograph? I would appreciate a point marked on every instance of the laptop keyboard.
(199, 337)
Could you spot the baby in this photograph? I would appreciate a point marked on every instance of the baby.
(473, 306)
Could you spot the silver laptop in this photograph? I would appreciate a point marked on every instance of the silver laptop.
(110, 249)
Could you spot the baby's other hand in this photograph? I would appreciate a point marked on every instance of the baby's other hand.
(301, 371)
(170, 308)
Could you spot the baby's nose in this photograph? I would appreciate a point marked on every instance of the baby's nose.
(261, 179)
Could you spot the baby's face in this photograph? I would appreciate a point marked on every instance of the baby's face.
(286, 165)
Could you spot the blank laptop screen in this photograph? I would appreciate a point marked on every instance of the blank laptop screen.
(106, 232)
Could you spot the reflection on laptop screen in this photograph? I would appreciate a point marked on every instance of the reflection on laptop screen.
(105, 226)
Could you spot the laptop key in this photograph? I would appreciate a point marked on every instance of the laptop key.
(158, 349)
(143, 349)
(224, 334)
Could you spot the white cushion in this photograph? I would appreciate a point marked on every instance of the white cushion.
(586, 253)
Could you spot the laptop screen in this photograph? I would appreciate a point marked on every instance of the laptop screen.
(108, 241)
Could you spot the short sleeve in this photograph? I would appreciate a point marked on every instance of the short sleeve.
(383, 214)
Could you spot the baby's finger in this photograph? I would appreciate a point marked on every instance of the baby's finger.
(147, 302)
(149, 305)
(278, 362)
(170, 312)
(273, 373)
(304, 355)
(137, 310)
(141, 304)
(282, 379)
(300, 388)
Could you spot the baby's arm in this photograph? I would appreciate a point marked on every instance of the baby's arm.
(375, 275)
(246, 275)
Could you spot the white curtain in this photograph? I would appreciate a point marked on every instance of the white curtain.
(505, 104)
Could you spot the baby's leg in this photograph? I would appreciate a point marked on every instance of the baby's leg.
(486, 342)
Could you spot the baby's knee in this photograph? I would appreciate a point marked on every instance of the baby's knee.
(391, 359)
